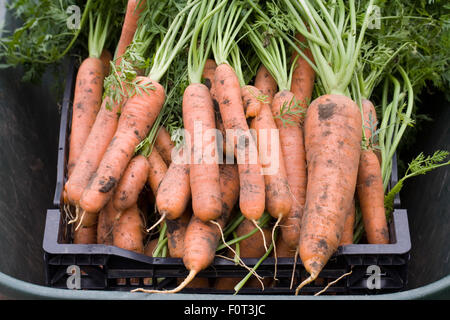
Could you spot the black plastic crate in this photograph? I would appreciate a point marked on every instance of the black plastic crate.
(105, 267)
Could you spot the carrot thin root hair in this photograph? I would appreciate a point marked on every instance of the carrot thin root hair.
(275, 247)
(293, 269)
(163, 216)
(77, 213)
(332, 282)
(262, 233)
(308, 280)
(81, 220)
(236, 255)
(182, 285)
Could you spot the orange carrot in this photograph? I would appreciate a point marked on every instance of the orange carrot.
(266, 83)
(164, 145)
(208, 75)
(198, 112)
(278, 196)
(252, 186)
(371, 198)
(293, 150)
(202, 238)
(106, 58)
(176, 231)
(370, 121)
(136, 120)
(108, 216)
(284, 250)
(333, 143)
(370, 184)
(174, 192)
(251, 99)
(85, 235)
(150, 247)
(157, 170)
(130, 23)
(93, 150)
(303, 76)
(128, 233)
(347, 235)
(86, 104)
(131, 183)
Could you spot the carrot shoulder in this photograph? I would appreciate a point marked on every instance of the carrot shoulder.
(130, 23)
(303, 76)
(265, 82)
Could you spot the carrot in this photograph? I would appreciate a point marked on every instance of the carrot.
(128, 233)
(150, 247)
(347, 235)
(251, 98)
(105, 126)
(136, 119)
(303, 76)
(106, 220)
(278, 196)
(370, 185)
(208, 75)
(370, 121)
(266, 83)
(204, 169)
(251, 247)
(131, 183)
(157, 170)
(164, 145)
(130, 23)
(106, 58)
(252, 186)
(202, 238)
(86, 104)
(284, 250)
(333, 144)
(85, 235)
(174, 191)
(371, 198)
(176, 231)
(293, 150)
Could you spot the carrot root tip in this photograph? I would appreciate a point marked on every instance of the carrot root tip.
(163, 216)
(182, 285)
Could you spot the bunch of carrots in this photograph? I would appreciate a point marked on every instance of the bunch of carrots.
(296, 69)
